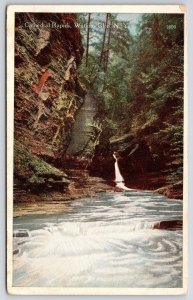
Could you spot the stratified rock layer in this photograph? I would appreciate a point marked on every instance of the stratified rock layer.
(47, 93)
(47, 89)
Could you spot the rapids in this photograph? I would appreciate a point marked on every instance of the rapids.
(105, 241)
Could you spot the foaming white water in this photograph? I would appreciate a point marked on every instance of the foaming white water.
(121, 185)
(103, 242)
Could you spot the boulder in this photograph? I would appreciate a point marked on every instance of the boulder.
(169, 225)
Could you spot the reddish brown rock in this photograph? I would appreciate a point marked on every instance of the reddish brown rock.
(45, 102)
(169, 225)
(42, 95)
(42, 80)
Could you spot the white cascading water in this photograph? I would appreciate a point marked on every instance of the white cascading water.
(105, 241)
(118, 177)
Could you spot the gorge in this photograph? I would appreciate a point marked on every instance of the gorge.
(56, 103)
(98, 152)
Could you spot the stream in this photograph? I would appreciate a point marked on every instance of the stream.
(105, 241)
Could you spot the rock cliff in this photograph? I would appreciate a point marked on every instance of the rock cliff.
(143, 163)
(47, 94)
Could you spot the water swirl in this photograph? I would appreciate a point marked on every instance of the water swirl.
(109, 241)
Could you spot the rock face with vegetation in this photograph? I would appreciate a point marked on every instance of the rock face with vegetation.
(134, 102)
(32, 172)
(47, 90)
(47, 95)
(140, 86)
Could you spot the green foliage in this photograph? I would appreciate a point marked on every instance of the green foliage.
(36, 180)
(111, 86)
(31, 169)
(142, 90)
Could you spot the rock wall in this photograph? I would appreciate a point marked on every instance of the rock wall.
(143, 163)
(47, 89)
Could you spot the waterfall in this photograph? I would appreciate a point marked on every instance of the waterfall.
(118, 177)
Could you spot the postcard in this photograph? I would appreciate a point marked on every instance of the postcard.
(97, 150)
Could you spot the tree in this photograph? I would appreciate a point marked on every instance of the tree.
(104, 38)
(88, 33)
(108, 47)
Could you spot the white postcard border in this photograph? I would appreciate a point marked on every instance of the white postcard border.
(11, 10)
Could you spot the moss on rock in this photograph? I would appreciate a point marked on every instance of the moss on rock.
(31, 171)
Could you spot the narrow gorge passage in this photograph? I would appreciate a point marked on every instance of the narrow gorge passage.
(82, 127)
